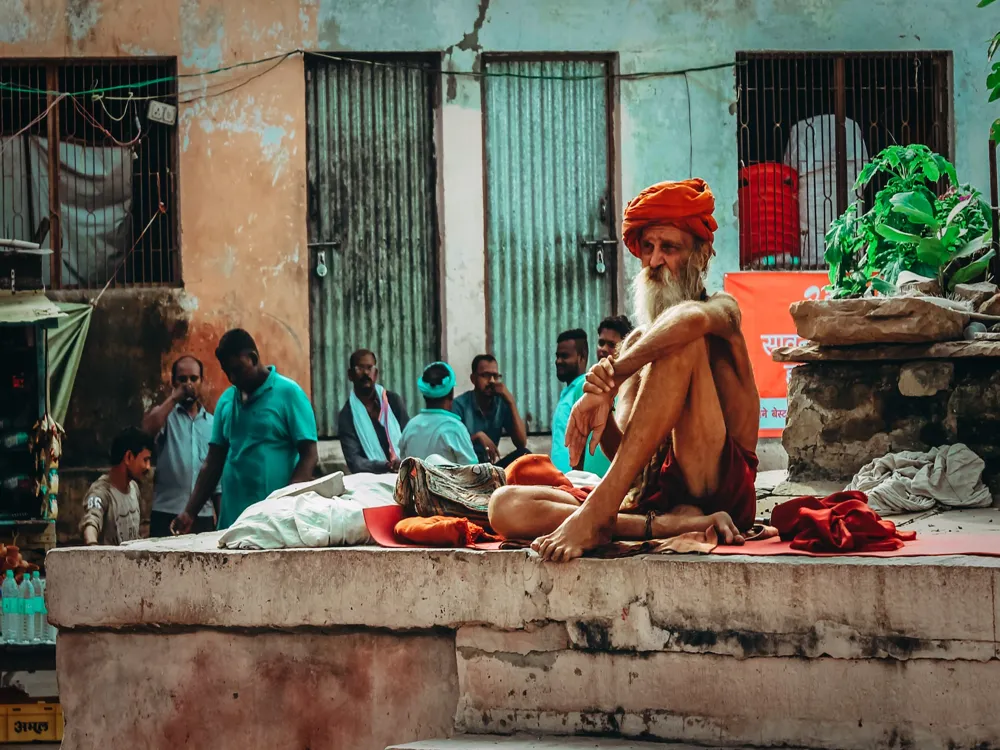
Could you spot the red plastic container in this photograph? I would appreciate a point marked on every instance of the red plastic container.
(769, 212)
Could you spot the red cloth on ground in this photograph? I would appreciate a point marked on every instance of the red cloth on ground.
(841, 522)
(441, 531)
(736, 494)
(538, 471)
(687, 204)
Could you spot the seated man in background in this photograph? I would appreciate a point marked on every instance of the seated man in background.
(683, 441)
(572, 354)
(437, 430)
(263, 437)
(112, 514)
(372, 421)
(489, 410)
(610, 333)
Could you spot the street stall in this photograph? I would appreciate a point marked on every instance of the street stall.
(30, 447)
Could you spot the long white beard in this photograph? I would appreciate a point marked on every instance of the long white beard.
(655, 291)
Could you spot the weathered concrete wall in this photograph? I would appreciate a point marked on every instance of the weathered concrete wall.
(242, 154)
(831, 653)
(841, 415)
(231, 691)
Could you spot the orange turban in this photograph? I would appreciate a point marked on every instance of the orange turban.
(687, 205)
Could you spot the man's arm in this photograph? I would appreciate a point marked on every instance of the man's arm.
(204, 487)
(155, 418)
(677, 327)
(517, 429)
(354, 454)
(93, 518)
(308, 458)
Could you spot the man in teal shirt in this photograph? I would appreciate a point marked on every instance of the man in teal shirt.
(437, 430)
(263, 438)
(572, 354)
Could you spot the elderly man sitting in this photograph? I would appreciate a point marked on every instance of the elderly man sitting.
(684, 436)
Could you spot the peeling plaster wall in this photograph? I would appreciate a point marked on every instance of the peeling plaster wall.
(243, 154)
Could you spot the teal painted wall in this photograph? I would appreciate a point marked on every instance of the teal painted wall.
(675, 34)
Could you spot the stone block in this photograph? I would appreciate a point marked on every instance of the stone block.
(991, 306)
(919, 379)
(768, 702)
(977, 294)
(902, 320)
(237, 691)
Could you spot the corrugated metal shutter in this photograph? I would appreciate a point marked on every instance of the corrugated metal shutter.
(548, 190)
(372, 216)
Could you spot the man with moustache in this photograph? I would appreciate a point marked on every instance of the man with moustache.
(685, 430)
(372, 421)
(488, 411)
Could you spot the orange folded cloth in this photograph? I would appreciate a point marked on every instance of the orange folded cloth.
(538, 471)
(688, 205)
(442, 531)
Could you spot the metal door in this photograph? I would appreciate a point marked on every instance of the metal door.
(372, 220)
(552, 258)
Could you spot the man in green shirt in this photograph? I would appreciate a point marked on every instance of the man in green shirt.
(263, 437)
(572, 354)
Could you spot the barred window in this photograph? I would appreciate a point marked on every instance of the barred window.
(807, 123)
(91, 176)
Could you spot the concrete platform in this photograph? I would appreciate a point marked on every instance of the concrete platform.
(365, 647)
(528, 742)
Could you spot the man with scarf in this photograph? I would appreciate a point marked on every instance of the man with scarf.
(437, 430)
(684, 433)
(372, 421)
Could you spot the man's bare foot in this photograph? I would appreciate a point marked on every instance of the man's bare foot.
(577, 534)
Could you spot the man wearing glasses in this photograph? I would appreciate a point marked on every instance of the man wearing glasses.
(372, 421)
(488, 411)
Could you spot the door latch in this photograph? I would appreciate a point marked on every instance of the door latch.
(321, 269)
(600, 246)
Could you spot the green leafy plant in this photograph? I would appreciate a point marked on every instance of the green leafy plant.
(993, 79)
(909, 227)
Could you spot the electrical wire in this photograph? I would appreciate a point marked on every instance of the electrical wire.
(11, 138)
(103, 91)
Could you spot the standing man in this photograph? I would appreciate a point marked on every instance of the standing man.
(183, 430)
(489, 410)
(437, 430)
(112, 512)
(372, 421)
(263, 436)
(610, 333)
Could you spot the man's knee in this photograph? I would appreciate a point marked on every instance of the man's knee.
(503, 507)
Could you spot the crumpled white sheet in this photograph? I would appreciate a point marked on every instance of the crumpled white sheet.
(327, 512)
(911, 481)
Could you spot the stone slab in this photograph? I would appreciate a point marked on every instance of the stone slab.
(185, 583)
(818, 703)
(528, 742)
(887, 352)
(210, 690)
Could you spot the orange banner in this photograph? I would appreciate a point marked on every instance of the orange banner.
(764, 298)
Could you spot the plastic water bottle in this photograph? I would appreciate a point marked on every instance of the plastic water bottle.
(27, 610)
(41, 621)
(11, 609)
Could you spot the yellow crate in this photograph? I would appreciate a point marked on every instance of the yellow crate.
(33, 722)
(3, 723)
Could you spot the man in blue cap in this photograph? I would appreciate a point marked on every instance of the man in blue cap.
(437, 430)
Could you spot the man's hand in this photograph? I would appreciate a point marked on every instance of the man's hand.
(601, 379)
(492, 452)
(589, 415)
(182, 524)
(502, 391)
(726, 529)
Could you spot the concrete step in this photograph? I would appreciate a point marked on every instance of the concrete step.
(531, 742)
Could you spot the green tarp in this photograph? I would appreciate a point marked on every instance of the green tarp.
(66, 343)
